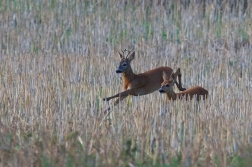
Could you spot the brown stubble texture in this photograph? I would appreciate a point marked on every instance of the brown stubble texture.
(58, 60)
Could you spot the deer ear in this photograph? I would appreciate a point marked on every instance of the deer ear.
(172, 77)
(131, 56)
(165, 77)
(121, 56)
(176, 73)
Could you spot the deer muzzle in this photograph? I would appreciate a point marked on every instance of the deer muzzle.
(161, 91)
(118, 71)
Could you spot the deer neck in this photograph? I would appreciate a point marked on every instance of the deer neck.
(128, 76)
(171, 95)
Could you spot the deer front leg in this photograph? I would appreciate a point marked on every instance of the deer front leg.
(119, 99)
(122, 94)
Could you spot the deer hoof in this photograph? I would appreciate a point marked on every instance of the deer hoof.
(105, 99)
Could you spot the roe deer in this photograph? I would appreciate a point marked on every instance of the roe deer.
(167, 87)
(139, 84)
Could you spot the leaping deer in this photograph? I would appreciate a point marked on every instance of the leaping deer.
(139, 84)
(167, 87)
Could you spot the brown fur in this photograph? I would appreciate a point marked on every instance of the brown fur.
(167, 87)
(139, 84)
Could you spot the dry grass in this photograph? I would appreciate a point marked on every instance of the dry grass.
(58, 60)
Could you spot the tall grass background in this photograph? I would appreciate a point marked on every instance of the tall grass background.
(58, 60)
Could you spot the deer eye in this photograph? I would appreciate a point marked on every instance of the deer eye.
(167, 85)
(124, 64)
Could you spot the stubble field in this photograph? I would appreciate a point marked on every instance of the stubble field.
(58, 61)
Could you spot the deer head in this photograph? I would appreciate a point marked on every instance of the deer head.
(168, 83)
(125, 61)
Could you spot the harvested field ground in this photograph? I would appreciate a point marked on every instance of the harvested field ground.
(58, 61)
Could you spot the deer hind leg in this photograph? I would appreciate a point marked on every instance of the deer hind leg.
(179, 85)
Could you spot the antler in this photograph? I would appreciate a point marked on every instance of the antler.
(129, 51)
(122, 55)
(123, 51)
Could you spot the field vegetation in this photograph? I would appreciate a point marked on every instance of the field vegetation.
(58, 61)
